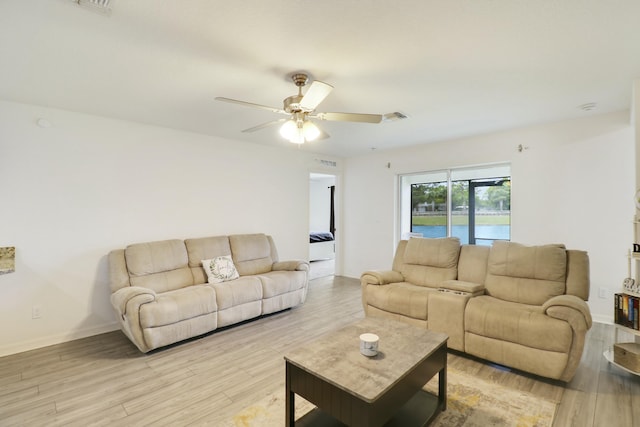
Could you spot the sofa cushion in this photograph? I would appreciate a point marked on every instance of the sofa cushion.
(442, 252)
(251, 253)
(550, 364)
(281, 282)
(160, 266)
(517, 323)
(220, 269)
(178, 305)
(578, 274)
(472, 264)
(429, 262)
(155, 257)
(526, 274)
(237, 292)
(161, 336)
(205, 248)
(400, 298)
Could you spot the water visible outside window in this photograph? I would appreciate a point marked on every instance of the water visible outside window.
(491, 210)
(429, 209)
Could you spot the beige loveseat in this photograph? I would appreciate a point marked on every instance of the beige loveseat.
(519, 306)
(162, 295)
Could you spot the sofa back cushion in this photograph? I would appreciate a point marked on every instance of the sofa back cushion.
(161, 266)
(205, 248)
(526, 274)
(578, 274)
(472, 264)
(429, 262)
(251, 253)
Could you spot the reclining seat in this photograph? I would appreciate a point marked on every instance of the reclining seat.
(533, 316)
(265, 285)
(238, 299)
(420, 266)
(284, 283)
(154, 295)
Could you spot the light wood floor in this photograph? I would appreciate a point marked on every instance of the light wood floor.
(104, 380)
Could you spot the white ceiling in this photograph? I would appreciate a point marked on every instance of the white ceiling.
(455, 67)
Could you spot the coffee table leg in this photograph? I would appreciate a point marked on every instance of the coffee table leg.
(442, 388)
(290, 408)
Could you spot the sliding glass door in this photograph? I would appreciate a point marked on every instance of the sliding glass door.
(489, 211)
(472, 204)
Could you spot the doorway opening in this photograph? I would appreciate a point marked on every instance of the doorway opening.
(322, 225)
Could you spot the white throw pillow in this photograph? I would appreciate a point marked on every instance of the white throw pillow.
(220, 269)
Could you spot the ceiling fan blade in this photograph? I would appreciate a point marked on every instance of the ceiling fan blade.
(264, 125)
(315, 95)
(350, 117)
(251, 104)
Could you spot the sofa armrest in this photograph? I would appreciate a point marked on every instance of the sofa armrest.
(294, 265)
(462, 288)
(127, 302)
(575, 312)
(381, 277)
(570, 308)
(121, 298)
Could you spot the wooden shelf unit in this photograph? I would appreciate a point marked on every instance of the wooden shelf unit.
(608, 354)
(635, 256)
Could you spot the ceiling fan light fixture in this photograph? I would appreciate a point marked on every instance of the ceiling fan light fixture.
(298, 131)
(289, 129)
(310, 131)
(298, 138)
(297, 128)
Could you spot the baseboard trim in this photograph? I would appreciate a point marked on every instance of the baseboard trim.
(599, 318)
(56, 339)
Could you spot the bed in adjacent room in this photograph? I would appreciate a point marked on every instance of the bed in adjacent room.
(321, 245)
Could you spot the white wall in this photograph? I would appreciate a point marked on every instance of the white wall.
(73, 192)
(87, 185)
(574, 184)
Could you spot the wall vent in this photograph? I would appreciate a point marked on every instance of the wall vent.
(328, 163)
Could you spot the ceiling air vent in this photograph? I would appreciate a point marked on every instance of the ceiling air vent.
(102, 6)
(395, 116)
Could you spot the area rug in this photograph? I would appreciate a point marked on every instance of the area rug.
(471, 402)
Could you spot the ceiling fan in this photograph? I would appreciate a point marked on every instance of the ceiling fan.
(300, 108)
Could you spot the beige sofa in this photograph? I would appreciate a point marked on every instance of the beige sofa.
(519, 306)
(162, 295)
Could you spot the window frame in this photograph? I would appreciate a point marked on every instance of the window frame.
(480, 175)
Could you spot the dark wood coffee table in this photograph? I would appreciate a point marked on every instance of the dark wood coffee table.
(356, 390)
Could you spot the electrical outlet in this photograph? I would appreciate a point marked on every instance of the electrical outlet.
(36, 312)
(602, 293)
